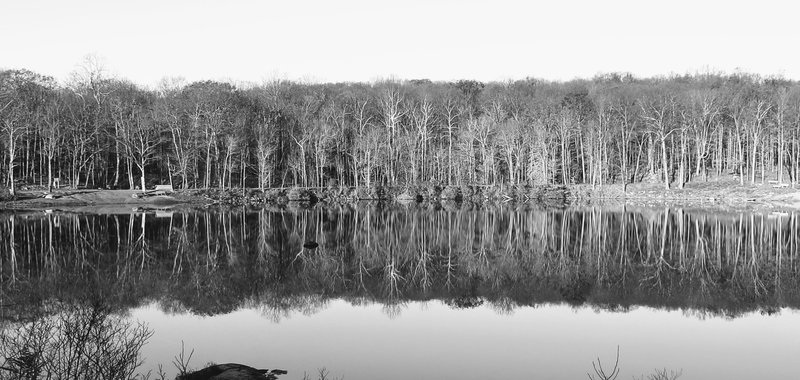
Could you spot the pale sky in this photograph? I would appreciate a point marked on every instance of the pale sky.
(364, 40)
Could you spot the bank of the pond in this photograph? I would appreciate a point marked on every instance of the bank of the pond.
(96, 200)
(712, 193)
(694, 194)
(716, 193)
(405, 195)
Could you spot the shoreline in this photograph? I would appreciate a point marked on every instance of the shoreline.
(702, 194)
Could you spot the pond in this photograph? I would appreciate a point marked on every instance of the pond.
(397, 292)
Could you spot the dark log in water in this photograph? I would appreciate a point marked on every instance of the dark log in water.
(232, 371)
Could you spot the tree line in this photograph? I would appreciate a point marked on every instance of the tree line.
(101, 131)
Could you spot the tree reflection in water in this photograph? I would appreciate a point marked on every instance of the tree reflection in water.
(214, 261)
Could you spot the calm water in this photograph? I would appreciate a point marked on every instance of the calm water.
(398, 293)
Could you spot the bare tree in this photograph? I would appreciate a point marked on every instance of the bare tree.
(657, 112)
(601, 373)
(11, 131)
(393, 111)
(182, 126)
(265, 149)
(51, 132)
(452, 112)
(78, 343)
(138, 134)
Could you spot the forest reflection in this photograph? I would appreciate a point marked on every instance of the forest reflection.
(294, 260)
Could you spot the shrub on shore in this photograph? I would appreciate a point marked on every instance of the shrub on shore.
(297, 194)
(451, 193)
(409, 195)
(519, 192)
(5, 195)
(431, 192)
(467, 192)
(359, 193)
(493, 192)
(272, 195)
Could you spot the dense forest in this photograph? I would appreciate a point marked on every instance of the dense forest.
(96, 130)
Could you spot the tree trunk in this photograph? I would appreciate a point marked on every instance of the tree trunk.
(131, 182)
(144, 189)
(753, 162)
(651, 165)
(664, 161)
(781, 148)
(207, 180)
(719, 151)
(741, 164)
(682, 170)
(116, 167)
(12, 187)
(49, 175)
(449, 156)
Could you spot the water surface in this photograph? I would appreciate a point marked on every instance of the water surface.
(389, 292)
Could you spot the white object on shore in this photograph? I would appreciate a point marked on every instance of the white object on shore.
(164, 188)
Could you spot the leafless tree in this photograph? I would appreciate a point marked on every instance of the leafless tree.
(76, 343)
(601, 374)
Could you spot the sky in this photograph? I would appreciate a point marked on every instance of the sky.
(366, 40)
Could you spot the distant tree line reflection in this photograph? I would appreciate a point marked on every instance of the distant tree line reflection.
(215, 261)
